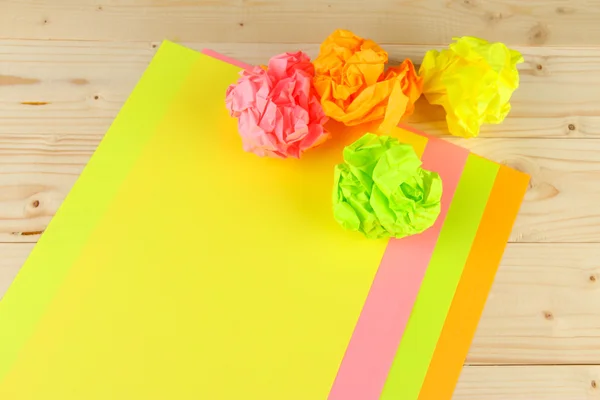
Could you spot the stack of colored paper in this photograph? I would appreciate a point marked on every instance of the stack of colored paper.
(181, 267)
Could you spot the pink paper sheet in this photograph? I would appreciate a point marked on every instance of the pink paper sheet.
(226, 59)
(380, 327)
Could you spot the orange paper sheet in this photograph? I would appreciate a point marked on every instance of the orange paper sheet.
(475, 284)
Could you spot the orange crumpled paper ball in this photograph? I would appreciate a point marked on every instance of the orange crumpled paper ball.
(355, 88)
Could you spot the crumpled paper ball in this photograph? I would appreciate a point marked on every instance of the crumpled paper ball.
(354, 87)
(473, 80)
(279, 114)
(382, 191)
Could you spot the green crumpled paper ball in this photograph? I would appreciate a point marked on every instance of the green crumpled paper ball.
(382, 191)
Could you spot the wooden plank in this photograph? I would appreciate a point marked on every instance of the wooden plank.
(560, 206)
(58, 87)
(78, 87)
(58, 98)
(529, 383)
(543, 22)
(36, 173)
(543, 308)
(66, 87)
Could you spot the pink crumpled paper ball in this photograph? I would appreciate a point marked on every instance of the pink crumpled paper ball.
(279, 114)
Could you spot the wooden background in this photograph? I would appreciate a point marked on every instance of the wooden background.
(66, 67)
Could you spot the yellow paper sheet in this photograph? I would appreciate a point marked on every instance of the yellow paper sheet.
(211, 274)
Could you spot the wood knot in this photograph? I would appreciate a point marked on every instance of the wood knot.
(493, 17)
(99, 8)
(548, 315)
(96, 97)
(539, 67)
(34, 206)
(594, 384)
(79, 81)
(16, 80)
(521, 164)
(34, 103)
(538, 34)
(571, 127)
(593, 278)
(542, 190)
(529, 184)
(32, 233)
(513, 164)
(241, 24)
(565, 10)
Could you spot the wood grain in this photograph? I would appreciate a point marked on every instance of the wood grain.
(543, 308)
(36, 173)
(560, 205)
(529, 383)
(524, 282)
(61, 87)
(540, 22)
(59, 96)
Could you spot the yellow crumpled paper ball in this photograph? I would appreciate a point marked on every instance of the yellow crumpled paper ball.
(354, 87)
(473, 80)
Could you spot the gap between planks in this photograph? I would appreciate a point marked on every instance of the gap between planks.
(38, 171)
(82, 85)
(542, 308)
(544, 22)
